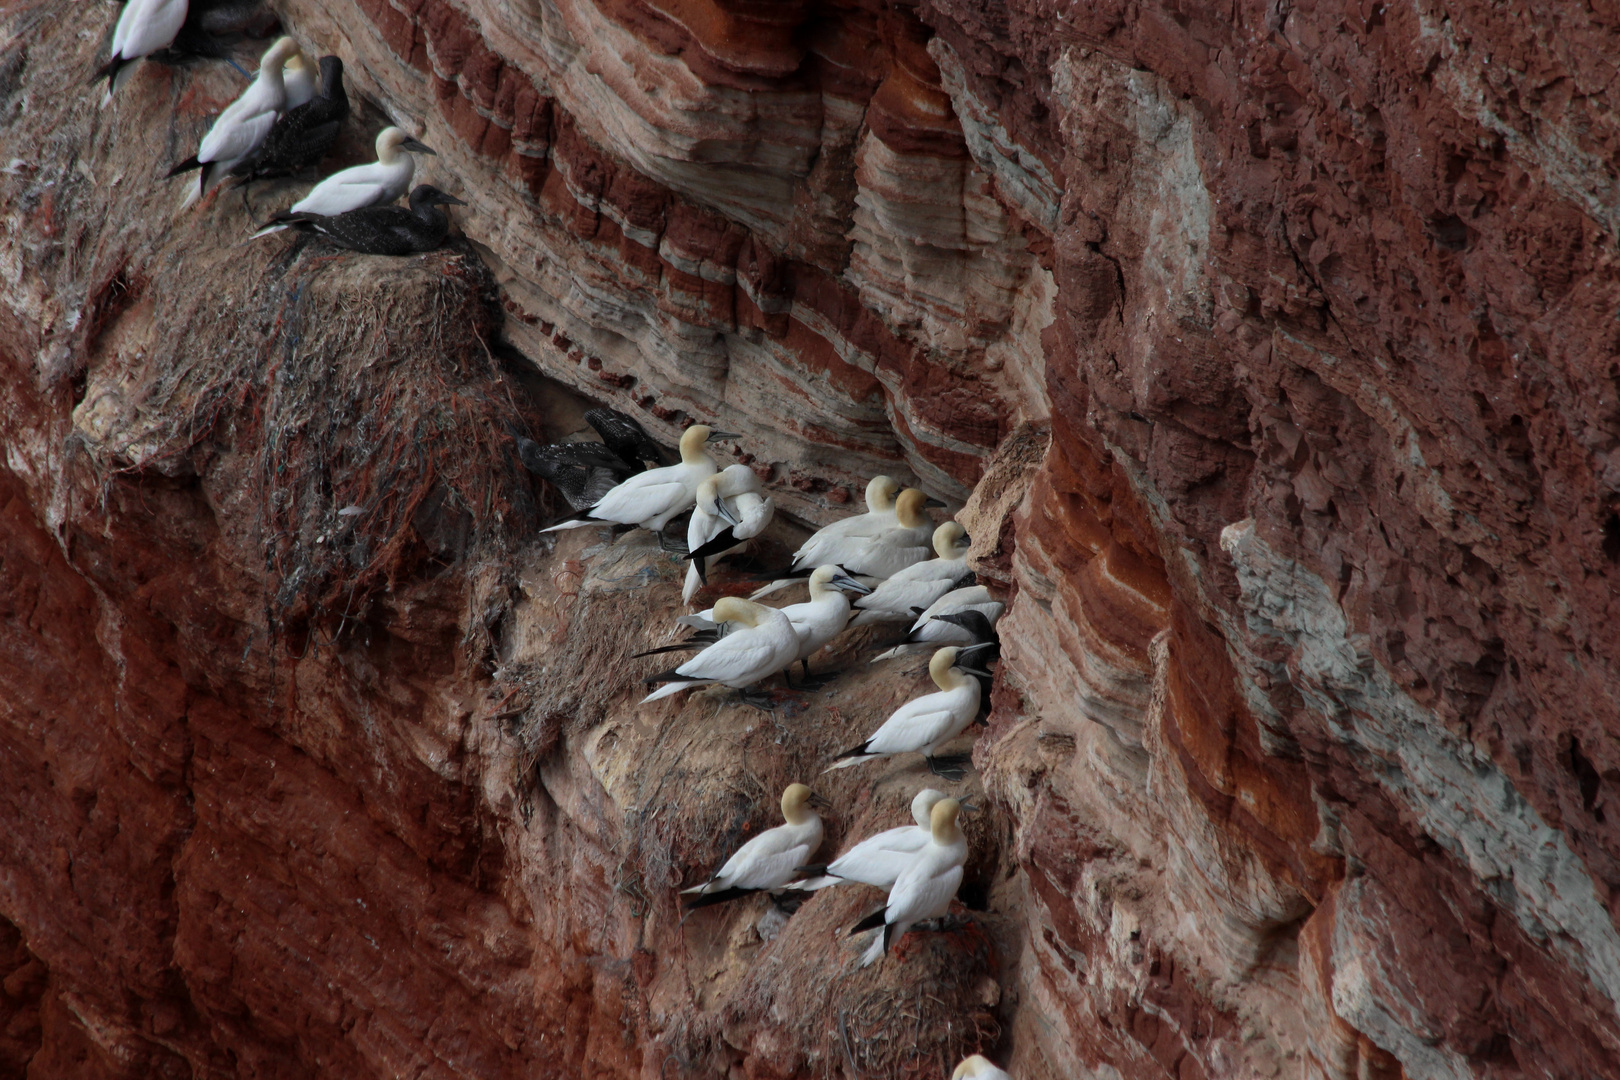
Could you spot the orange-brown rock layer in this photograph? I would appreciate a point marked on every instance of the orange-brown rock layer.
(1270, 351)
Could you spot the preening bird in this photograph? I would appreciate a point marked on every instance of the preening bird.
(770, 860)
(886, 549)
(712, 518)
(925, 887)
(386, 230)
(243, 125)
(978, 1068)
(144, 27)
(653, 498)
(920, 584)
(878, 860)
(298, 76)
(380, 183)
(305, 132)
(924, 725)
(932, 629)
(761, 644)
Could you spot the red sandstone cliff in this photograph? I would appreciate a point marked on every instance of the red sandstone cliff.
(1273, 350)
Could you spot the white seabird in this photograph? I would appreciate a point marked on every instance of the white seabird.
(885, 550)
(920, 584)
(651, 499)
(824, 616)
(923, 725)
(878, 860)
(769, 860)
(931, 630)
(978, 1067)
(144, 27)
(244, 123)
(925, 887)
(711, 518)
(821, 547)
(762, 644)
(381, 182)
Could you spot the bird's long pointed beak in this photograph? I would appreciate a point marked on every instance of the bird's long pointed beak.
(417, 148)
(844, 581)
(725, 513)
(818, 802)
(717, 435)
(451, 200)
(975, 671)
(964, 650)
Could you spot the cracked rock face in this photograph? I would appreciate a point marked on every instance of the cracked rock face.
(1268, 355)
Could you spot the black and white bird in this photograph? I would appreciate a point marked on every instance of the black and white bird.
(924, 725)
(762, 643)
(932, 629)
(925, 888)
(728, 504)
(879, 860)
(212, 28)
(386, 230)
(582, 471)
(377, 184)
(244, 124)
(902, 594)
(305, 132)
(144, 27)
(770, 860)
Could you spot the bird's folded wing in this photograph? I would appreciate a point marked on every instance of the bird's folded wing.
(732, 657)
(772, 869)
(911, 728)
(632, 501)
(921, 895)
(227, 142)
(880, 859)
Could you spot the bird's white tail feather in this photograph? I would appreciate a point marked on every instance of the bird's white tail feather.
(874, 952)
(669, 690)
(847, 762)
(692, 582)
(267, 230)
(580, 524)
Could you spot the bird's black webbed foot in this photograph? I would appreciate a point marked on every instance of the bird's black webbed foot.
(952, 767)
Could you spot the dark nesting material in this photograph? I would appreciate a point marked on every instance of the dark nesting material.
(386, 230)
(302, 137)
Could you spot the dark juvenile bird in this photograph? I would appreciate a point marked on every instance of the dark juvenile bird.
(304, 134)
(625, 436)
(386, 230)
(582, 471)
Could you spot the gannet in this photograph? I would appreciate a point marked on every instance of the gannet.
(651, 499)
(769, 860)
(932, 629)
(978, 1068)
(244, 123)
(885, 550)
(298, 76)
(920, 584)
(583, 471)
(878, 860)
(381, 182)
(625, 436)
(925, 887)
(386, 230)
(305, 132)
(923, 725)
(714, 526)
(762, 644)
(144, 27)
(822, 546)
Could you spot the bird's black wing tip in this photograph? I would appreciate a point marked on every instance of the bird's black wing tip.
(720, 896)
(875, 919)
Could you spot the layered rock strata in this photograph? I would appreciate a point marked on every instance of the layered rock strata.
(1269, 355)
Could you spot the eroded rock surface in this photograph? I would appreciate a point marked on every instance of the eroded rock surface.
(1269, 354)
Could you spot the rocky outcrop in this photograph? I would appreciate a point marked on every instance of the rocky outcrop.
(1267, 354)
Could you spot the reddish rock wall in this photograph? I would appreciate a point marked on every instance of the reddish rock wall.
(1272, 351)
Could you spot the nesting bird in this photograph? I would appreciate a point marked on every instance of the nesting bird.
(823, 545)
(924, 725)
(878, 860)
(977, 1067)
(144, 27)
(878, 549)
(243, 125)
(386, 230)
(770, 860)
(761, 644)
(305, 132)
(925, 887)
(380, 183)
(917, 586)
(715, 526)
(653, 498)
